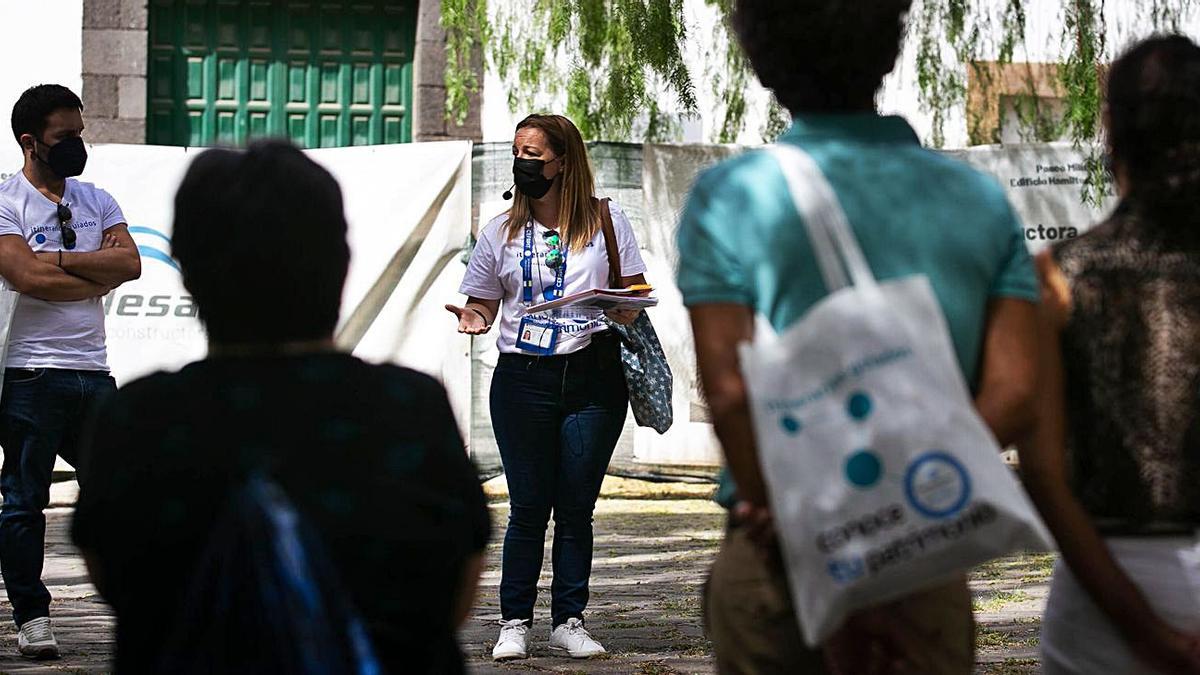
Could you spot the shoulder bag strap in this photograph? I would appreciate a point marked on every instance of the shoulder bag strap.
(833, 241)
(610, 243)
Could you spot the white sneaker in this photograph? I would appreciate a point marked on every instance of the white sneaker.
(36, 639)
(513, 642)
(571, 637)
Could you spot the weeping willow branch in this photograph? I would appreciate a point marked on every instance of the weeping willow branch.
(617, 60)
(621, 58)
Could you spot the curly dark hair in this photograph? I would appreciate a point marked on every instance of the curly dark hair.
(1153, 127)
(821, 55)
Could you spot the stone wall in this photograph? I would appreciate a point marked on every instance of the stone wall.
(114, 75)
(114, 70)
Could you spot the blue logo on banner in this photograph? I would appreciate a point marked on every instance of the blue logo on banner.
(151, 252)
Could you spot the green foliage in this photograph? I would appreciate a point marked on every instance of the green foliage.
(729, 73)
(778, 121)
(1079, 77)
(625, 57)
(950, 35)
(1037, 120)
(466, 27)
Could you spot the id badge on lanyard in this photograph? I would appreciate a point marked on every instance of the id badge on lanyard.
(538, 335)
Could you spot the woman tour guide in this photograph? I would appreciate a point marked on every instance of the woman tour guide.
(558, 397)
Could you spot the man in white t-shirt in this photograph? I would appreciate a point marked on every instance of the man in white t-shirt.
(63, 246)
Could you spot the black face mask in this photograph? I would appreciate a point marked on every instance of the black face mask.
(527, 174)
(66, 157)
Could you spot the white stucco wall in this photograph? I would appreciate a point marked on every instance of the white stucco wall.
(43, 44)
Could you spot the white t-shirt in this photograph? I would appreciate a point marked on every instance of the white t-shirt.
(68, 335)
(494, 273)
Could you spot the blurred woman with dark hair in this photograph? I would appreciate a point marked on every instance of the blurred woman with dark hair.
(1114, 462)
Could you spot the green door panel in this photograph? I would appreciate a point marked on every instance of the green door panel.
(325, 73)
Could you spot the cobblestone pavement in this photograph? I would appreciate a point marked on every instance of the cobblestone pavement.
(650, 558)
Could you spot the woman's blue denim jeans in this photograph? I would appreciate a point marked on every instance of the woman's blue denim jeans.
(557, 420)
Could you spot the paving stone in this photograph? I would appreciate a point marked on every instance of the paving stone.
(645, 603)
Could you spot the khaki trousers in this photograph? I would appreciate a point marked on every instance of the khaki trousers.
(748, 612)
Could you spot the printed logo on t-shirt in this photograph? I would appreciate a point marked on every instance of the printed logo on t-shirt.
(39, 232)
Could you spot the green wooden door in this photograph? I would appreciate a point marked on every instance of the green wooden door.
(325, 73)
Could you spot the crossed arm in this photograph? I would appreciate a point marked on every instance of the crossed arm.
(82, 275)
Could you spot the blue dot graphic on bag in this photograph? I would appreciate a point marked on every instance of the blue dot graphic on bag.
(791, 424)
(863, 469)
(858, 406)
(937, 485)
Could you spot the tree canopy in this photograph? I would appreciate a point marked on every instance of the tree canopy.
(617, 61)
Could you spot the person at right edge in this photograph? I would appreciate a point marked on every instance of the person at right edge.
(744, 251)
(1114, 463)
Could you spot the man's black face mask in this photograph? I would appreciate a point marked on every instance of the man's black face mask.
(65, 158)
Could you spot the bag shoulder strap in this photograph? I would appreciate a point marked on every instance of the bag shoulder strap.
(610, 243)
(834, 244)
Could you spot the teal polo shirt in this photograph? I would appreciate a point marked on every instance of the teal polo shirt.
(913, 210)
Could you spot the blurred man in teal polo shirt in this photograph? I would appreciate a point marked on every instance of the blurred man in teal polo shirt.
(743, 251)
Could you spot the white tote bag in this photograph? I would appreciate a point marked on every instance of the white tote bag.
(882, 477)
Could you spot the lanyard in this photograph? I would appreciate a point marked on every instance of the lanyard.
(560, 274)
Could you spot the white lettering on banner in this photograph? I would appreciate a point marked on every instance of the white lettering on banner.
(1045, 186)
(149, 307)
(1041, 232)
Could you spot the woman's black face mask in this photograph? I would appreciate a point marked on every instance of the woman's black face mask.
(527, 174)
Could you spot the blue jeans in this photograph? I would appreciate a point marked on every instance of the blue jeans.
(42, 412)
(557, 420)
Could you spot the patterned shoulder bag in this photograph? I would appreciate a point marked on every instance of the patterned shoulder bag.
(647, 374)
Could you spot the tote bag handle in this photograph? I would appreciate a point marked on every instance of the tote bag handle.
(834, 245)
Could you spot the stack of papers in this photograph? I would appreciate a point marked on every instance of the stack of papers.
(634, 297)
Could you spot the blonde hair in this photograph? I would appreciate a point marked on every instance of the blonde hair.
(578, 209)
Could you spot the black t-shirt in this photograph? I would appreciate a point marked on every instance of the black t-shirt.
(369, 455)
